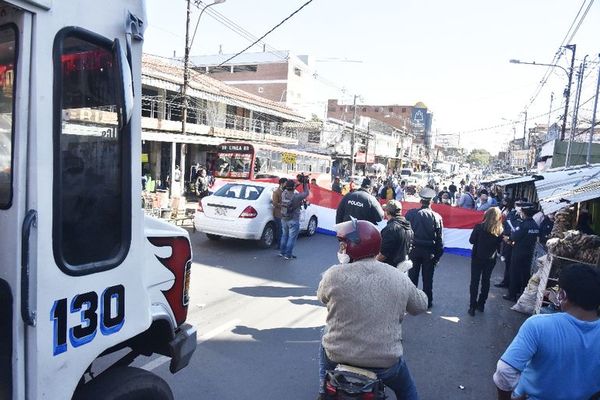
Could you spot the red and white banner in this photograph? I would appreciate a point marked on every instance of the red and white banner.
(458, 222)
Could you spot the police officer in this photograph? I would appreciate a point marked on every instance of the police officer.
(523, 240)
(428, 246)
(360, 204)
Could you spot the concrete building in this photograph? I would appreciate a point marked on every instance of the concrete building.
(279, 76)
(216, 112)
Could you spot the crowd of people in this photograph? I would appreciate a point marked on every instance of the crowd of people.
(552, 357)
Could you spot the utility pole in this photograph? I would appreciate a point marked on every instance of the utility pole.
(353, 137)
(589, 149)
(550, 113)
(186, 69)
(525, 137)
(571, 47)
(575, 111)
(367, 148)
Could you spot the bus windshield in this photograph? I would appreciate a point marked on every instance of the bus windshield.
(233, 165)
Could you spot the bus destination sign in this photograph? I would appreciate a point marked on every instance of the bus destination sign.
(235, 148)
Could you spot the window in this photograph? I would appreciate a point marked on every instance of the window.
(92, 185)
(239, 191)
(364, 109)
(332, 109)
(391, 109)
(233, 165)
(8, 55)
(297, 71)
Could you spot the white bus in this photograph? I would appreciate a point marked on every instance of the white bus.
(83, 274)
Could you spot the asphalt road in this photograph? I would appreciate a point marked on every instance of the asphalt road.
(259, 326)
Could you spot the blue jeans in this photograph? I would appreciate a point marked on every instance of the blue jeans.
(289, 232)
(397, 377)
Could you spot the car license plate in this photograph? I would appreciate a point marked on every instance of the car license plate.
(222, 211)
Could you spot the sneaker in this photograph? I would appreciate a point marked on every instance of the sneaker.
(280, 255)
(501, 285)
(289, 257)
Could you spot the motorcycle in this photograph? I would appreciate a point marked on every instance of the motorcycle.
(347, 382)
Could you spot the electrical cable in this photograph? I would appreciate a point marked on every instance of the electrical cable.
(559, 53)
(268, 32)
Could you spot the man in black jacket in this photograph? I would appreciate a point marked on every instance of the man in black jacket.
(523, 240)
(359, 204)
(428, 245)
(396, 237)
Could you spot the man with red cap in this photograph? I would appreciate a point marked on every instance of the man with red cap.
(366, 302)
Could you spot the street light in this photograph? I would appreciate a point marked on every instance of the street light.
(569, 73)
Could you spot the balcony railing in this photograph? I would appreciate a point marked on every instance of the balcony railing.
(172, 111)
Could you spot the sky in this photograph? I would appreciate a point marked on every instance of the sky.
(451, 55)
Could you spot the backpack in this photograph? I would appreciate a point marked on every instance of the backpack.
(287, 211)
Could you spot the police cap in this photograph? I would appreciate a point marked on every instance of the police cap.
(427, 193)
(528, 209)
(366, 183)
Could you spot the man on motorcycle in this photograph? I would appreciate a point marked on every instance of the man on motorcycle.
(366, 302)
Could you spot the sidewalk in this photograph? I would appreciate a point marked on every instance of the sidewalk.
(447, 348)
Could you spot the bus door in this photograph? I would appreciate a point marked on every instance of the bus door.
(15, 34)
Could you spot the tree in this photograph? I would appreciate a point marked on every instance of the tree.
(479, 157)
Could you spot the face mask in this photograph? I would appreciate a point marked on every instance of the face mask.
(343, 258)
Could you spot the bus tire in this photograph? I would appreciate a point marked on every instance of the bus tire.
(210, 236)
(268, 236)
(125, 383)
(311, 228)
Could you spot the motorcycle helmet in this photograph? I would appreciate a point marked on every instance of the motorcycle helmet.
(362, 238)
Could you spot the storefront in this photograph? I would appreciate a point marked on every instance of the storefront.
(163, 152)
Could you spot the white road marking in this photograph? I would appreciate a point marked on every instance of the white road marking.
(451, 319)
(157, 362)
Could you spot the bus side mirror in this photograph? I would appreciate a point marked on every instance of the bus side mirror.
(126, 84)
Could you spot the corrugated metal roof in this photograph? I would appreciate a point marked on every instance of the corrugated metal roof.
(561, 188)
(518, 179)
(166, 70)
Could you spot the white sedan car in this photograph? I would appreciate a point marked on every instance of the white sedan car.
(243, 210)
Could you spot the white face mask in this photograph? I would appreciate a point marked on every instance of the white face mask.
(343, 258)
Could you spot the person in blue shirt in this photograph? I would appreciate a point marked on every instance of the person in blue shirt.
(557, 356)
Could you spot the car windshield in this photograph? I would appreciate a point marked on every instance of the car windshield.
(239, 191)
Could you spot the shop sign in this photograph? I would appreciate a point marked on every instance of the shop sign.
(288, 158)
(235, 148)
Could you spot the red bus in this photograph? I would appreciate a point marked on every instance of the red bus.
(241, 160)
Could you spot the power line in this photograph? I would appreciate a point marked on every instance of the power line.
(581, 21)
(265, 35)
(560, 51)
(515, 122)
